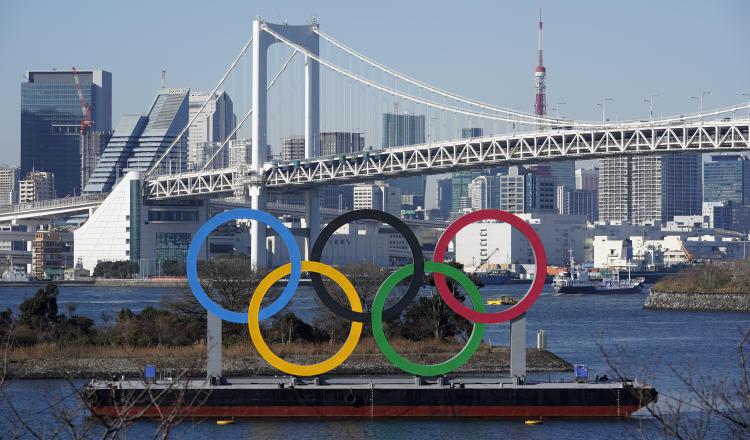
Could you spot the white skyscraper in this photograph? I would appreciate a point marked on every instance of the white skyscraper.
(212, 127)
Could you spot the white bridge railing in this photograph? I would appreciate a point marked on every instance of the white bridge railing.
(465, 154)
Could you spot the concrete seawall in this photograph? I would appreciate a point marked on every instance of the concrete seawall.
(723, 302)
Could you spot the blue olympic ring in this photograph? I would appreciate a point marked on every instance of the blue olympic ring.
(235, 214)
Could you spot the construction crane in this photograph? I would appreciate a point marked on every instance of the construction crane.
(484, 261)
(86, 121)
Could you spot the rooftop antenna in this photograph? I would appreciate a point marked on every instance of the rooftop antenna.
(163, 79)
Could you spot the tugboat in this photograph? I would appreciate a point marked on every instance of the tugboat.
(501, 301)
(576, 281)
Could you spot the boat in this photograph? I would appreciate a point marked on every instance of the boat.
(489, 395)
(495, 277)
(576, 281)
(14, 274)
(401, 396)
(501, 301)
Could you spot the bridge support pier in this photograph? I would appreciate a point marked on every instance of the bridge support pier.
(258, 229)
(213, 348)
(518, 347)
(312, 219)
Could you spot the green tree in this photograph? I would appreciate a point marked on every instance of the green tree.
(40, 311)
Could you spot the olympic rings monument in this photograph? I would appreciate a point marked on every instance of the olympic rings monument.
(415, 271)
(306, 36)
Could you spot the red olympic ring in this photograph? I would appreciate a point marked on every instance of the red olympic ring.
(531, 295)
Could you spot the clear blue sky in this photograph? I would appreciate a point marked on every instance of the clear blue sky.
(624, 50)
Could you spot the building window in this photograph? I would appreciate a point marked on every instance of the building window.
(172, 246)
(181, 216)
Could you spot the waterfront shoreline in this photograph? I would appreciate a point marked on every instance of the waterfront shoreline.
(62, 365)
(694, 301)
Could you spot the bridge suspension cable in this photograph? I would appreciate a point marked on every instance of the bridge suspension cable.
(433, 89)
(534, 119)
(212, 97)
(403, 95)
(250, 112)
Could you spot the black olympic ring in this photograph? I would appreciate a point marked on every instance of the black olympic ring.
(416, 250)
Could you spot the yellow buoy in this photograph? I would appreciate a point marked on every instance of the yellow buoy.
(533, 422)
(224, 422)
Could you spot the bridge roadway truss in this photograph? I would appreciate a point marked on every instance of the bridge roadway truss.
(435, 158)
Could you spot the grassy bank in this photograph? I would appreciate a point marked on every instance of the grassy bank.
(730, 277)
(86, 361)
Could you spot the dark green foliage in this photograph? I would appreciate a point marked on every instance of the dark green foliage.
(288, 327)
(39, 321)
(116, 269)
(152, 327)
(429, 317)
(40, 311)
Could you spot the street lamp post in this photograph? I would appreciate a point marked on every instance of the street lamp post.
(699, 98)
(651, 105)
(603, 105)
(557, 108)
(747, 95)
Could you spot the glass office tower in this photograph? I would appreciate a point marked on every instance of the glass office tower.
(51, 119)
(400, 130)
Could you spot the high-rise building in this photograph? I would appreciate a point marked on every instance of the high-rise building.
(650, 189)
(614, 189)
(587, 178)
(412, 202)
(139, 141)
(337, 143)
(340, 142)
(51, 117)
(445, 196)
(563, 172)
(293, 148)
(50, 255)
(378, 196)
(666, 186)
(400, 130)
(523, 192)
(36, 186)
(484, 192)
(93, 143)
(211, 127)
(727, 178)
(462, 179)
(9, 185)
(368, 196)
(240, 152)
(577, 202)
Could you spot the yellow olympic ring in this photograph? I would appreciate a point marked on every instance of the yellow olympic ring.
(275, 361)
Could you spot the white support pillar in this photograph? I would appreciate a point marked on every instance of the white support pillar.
(261, 41)
(213, 347)
(312, 136)
(304, 36)
(518, 347)
(257, 229)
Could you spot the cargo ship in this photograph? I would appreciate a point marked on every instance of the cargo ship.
(576, 281)
(366, 397)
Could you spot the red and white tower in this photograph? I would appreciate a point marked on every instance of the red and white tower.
(540, 74)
